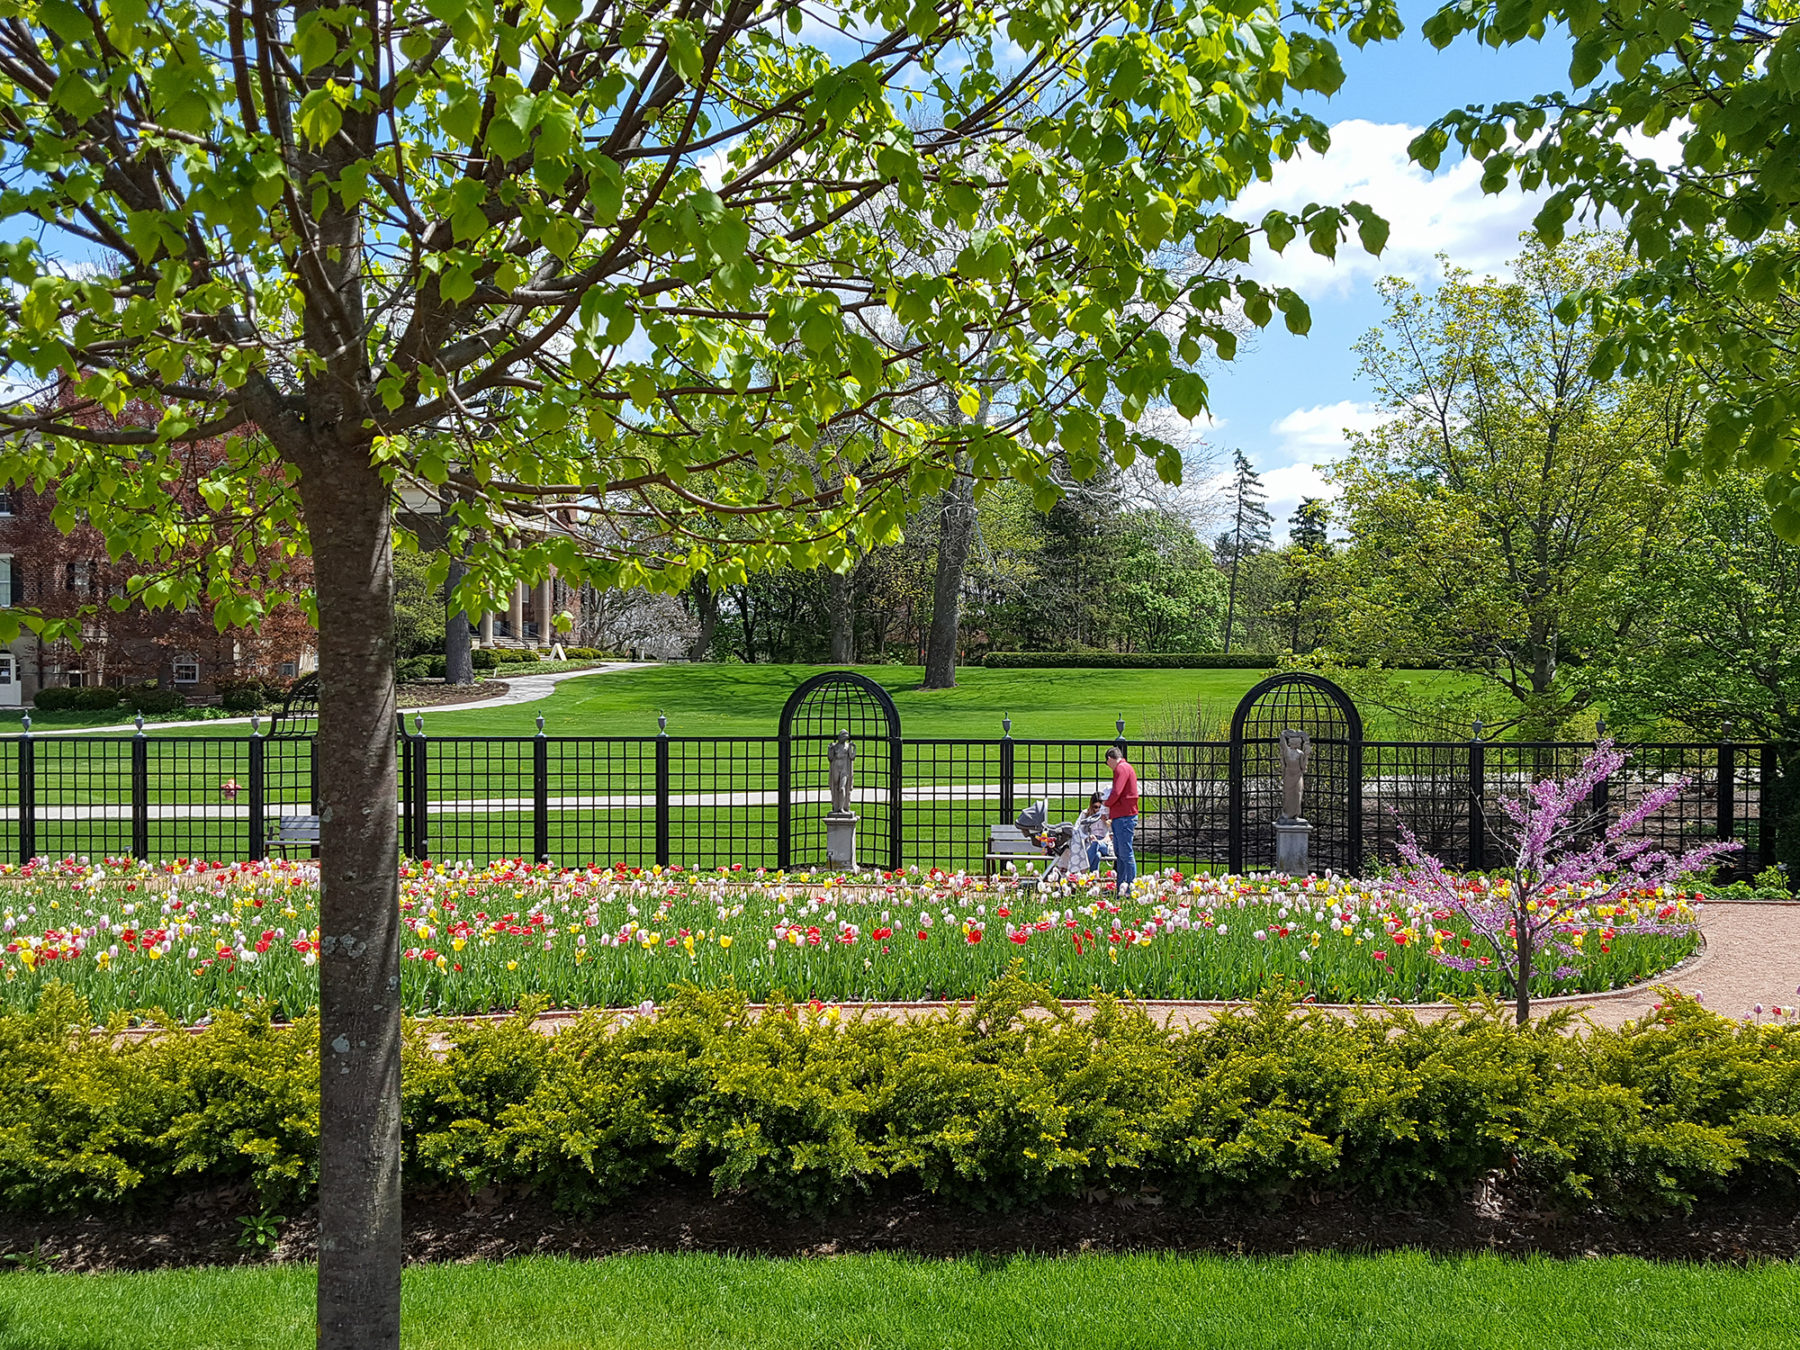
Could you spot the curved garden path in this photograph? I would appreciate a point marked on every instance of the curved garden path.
(519, 689)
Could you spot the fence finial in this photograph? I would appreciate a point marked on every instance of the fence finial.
(1478, 725)
(1006, 724)
(1600, 727)
(540, 724)
(1120, 724)
(140, 724)
(419, 724)
(256, 724)
(662, 724)
(27, 730)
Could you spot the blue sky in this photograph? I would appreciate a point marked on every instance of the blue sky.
(1286, 400)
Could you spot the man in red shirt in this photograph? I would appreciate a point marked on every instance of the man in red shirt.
(1122, 809)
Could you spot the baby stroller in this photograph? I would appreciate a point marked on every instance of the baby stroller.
(1061, 842)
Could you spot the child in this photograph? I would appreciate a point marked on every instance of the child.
(1092, 836)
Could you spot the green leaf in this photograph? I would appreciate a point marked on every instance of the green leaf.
(65, 20)
(77, 96)
(319, 117)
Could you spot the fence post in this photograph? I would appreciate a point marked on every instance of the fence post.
(257, 838)
(403, 748)
(1355, 814)
(1727, 787)
(1765, 814)
(1477, 801)
(140, 793)
(1602, 794)
(784, 798)
(540, 794)
(421, 804)
(664, 805)
(1234, 805)
(1006, 769)
(896, 801)
(27, 795)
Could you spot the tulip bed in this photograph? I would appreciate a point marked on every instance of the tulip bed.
(187, 938)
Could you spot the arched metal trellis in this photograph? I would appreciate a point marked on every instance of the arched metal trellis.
(299, 715)
(1333, 791)
(838, 700)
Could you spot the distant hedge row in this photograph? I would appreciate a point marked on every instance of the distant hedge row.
(100, 698)
(1130, 660)
(1012, 1100)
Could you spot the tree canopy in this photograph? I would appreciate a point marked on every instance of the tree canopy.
(1684, 123)
(1510, 515)
(646, 285)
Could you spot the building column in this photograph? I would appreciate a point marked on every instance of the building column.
(516, 614)
(546, 605)
(487, 628)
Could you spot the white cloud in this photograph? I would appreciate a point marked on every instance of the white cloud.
(1428, 214)
(1306, 441)
(1311, 435)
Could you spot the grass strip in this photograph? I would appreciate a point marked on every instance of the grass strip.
(1395, 1301)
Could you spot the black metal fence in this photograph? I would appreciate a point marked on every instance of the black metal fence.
(705, 802)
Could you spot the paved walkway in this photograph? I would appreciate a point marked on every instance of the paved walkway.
(519, 689)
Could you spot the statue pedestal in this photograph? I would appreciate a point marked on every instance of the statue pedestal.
(840, 838)
(1293, 841)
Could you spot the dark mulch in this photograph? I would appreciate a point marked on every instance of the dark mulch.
(204, 1230)
(436, 692)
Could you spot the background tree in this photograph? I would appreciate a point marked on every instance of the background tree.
(1505, 516)
(597, 264)
(1304, 585)
(1715, 653)
(1716, 292)
(1248, 537)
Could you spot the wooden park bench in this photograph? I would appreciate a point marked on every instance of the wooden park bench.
(1007, 844)
(295, 832)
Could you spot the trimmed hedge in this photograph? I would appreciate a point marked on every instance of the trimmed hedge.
(993, 1106)
(1130, 661)
(89, 698)
(147, 698)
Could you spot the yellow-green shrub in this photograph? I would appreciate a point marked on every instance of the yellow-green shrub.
(1012, 1101)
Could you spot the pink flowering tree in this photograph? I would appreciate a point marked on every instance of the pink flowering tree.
(1561, 861)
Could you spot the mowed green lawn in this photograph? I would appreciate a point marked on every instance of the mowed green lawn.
(746, 700)
(741, 700)
(1400, 1301)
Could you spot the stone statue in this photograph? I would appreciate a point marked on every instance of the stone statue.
(1295, 747)
(842, 758)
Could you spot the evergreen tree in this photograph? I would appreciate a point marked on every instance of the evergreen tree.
(1248, 536)
(1308, 545)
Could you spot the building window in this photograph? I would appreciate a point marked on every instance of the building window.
(187, 669)
(290, 670)
(6, 500)
(77, 679)
(6, 579)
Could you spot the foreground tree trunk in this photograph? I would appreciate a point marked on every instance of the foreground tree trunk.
(359, 907)
(1522, 988)
(956, 532)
